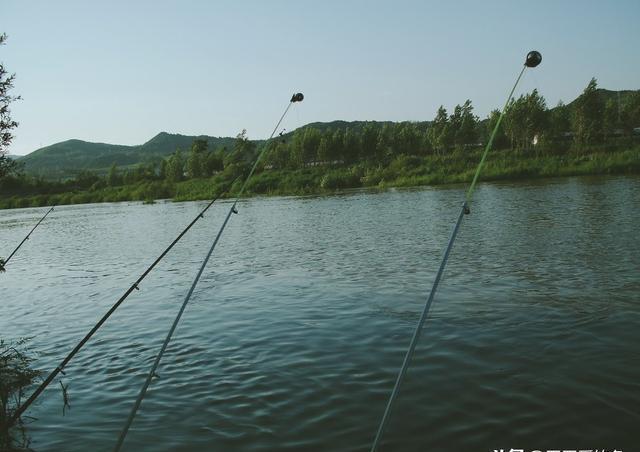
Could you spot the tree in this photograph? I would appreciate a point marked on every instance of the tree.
(408, 139)
(351, 146)
(465, 131)
(113, 178)
(369, 143)
(278, 155)
(310, 142)
(243, 150)
(384, 144)
(296, 150)
(631, 113)
(559, 121)
(175, 167)
(197, 160)
(336, 148)
(500, 140)
(213, 163)
(525, 118)
(324, 155)
(588, 115)
(610, 118)
(163, 169)
(7, 124)
(440, 134)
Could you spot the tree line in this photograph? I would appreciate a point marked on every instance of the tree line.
(588, 122)
(528, 124)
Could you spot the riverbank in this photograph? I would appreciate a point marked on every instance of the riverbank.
(404, 171)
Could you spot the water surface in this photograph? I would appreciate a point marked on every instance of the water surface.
(294, 336)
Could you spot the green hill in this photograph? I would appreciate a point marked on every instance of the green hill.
(356, 126)
(606, 95)
(68, 157)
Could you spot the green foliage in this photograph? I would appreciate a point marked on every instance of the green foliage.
(175, 167)
(196, 165)
(113, 178)
(337, 179)
(61, 160)
(16, 375)
(440, 133)
(464, 124)
(559, 122)
(588, 115)
(526, 118)
(500, 140)
(610, 118)
(8, 166)
(242, 153)
(631, 113)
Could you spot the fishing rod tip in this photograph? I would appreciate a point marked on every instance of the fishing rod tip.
(534, 58)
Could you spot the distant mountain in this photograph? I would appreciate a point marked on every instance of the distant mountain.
(165, 143)
(356, 126)
(606, 95)
(65, 158)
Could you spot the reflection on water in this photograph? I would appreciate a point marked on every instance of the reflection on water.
(295, 334)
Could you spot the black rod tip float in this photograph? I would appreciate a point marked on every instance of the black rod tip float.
(534, 58)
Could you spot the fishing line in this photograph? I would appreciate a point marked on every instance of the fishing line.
(3, 263)
(533, 59)
(134, 286)
(152, 372)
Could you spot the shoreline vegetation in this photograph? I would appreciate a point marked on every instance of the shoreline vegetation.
(596, 134)
(404, 171)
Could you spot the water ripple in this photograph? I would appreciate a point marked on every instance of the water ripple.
(301, 320)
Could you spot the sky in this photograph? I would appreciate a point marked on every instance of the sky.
(122, 71)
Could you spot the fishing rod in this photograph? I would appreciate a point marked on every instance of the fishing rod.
(135, 286)
(298, 97)
(3, 263)
(533, 59)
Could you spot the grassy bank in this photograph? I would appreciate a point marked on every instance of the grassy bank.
(404, 171)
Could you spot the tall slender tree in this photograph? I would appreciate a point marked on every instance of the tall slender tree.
(7, 124)
(588, 115)
(440, 133)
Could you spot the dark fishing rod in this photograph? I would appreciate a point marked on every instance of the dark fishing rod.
(152, 372)
(3, 263)
(135, 286)
(533, 59)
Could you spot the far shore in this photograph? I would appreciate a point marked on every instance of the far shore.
(324, 180)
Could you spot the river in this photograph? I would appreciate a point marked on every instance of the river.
(295, 334)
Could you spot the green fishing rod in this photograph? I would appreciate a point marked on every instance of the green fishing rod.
(533, 59)
(3, 263)
(298, 97)
(135, 286)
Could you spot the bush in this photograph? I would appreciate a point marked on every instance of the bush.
(265, 182)
(341, 178)
(372, 177)
(16, 375)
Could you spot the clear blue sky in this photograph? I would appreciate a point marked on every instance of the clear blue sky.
(122, 71)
